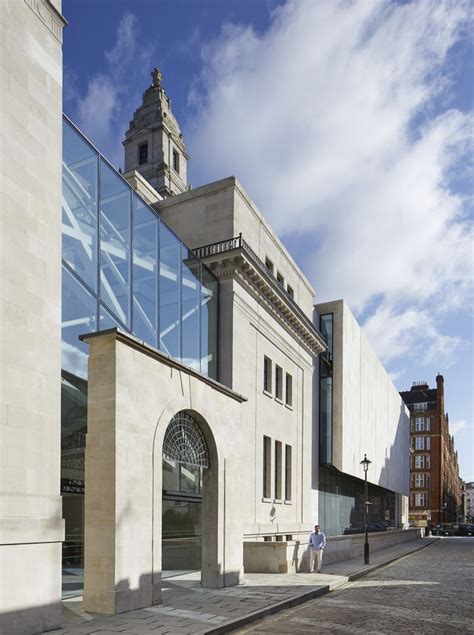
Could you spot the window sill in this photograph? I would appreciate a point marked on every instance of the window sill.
(268, 394)
(266, 500)
(278, 501)
(288, 502)
(289, 406)
(278, 400)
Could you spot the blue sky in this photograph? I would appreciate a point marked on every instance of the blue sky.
(351, 126)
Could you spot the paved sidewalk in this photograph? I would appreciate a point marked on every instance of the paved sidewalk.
(189, 609)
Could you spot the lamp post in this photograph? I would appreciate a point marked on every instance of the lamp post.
(365, 463)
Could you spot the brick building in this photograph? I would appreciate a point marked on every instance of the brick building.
(435, 486)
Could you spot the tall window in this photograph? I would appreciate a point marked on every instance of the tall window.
(142, 153)
(428, 461)
(419, 480)
(176, 161)
(420, 461)
(269, 265)
(288, 472)
(267, 467)
(428, 423)
(289, 389)
(280, 279)
(419, 424)
(278, 466)
(428, 443)
(419, 500)
(278, 382)
(267, 374)
(290, 291)
(419, 443)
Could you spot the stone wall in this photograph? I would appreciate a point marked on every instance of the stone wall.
(31, 529)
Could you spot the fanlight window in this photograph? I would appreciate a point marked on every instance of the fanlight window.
(184, 442)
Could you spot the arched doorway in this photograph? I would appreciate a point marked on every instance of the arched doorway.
(184, 459)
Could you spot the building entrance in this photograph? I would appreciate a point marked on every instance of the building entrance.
(185, 456)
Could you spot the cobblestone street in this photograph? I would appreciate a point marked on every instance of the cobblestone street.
(430, 591)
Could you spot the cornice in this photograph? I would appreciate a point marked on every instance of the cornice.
(49, 15)
(238, 265)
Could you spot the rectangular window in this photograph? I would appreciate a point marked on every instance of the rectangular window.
(176, 161)
(267, 467)
(290, 291)
(267, 374)
(419, 443)
(419, 480)
(278, 383)
(419, 500)
(281, 279)
(428, 443)
(419, 424)
(412, 426)
(269, 265)
(278, 470)
(421, 406)
(428, 423)
(411, 463)
(428, 461)
(288, 472)
(289, 389)
(142, 153)
(419, 461)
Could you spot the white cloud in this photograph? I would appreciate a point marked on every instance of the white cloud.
(336, 122)
(456, 426)
(104, 110)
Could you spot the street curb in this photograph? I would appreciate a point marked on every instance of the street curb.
(309, 595)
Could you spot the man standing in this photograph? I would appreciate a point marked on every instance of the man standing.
(317, 542)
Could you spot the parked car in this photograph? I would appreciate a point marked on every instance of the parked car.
(466, 530)
(443, 530)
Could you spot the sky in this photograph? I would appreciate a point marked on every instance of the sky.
(349, 123)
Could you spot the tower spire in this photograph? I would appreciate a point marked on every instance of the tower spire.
(154, 144)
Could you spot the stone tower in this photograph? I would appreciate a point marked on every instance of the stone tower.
(154, 144)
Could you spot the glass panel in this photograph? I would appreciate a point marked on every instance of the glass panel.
(170, 265)
(341, 505)
(325, 420)
(145, 272)
(79, 314)
(190, 313)
(115, 242)
(208, 323)
(107, 320)
(182, 535)
(79, 206)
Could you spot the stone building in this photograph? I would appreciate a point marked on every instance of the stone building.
(167, 390)
(435, 488)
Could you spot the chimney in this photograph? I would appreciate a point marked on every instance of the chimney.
(440, 393)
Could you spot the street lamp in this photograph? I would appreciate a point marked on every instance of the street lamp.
(365, 463)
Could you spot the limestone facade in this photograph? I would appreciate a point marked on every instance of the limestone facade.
(31, 527)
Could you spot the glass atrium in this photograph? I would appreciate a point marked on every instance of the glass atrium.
(121, 267)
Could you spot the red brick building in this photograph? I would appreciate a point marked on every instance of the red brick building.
(435, 487)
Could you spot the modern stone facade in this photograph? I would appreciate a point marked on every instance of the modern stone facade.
(360, 413)
(31, 528)
(257, 418)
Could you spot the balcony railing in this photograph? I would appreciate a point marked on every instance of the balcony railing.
(238, 242)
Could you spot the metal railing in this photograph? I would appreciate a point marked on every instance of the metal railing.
(238, 242)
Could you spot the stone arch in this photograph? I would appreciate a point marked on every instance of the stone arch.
(211, 568)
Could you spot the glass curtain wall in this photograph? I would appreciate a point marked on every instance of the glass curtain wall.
(341, 504)
(121, 267)
(325, 391)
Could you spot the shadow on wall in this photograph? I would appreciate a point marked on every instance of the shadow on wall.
(34, 619)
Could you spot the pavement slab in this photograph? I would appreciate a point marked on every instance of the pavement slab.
(189, 609)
